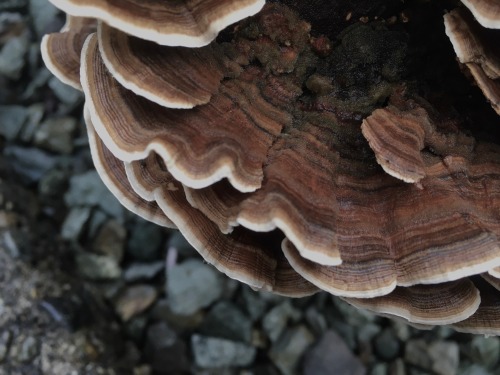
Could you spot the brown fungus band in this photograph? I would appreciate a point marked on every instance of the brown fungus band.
(343, 150)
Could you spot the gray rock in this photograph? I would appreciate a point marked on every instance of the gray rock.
(65, 93)
(275, 321)
(445, 357)
(56, 134)
(287, 352)
(110, 240)
(12, 119)
(53, 184)
(96, 220)
(35, 114)
(5, 341)
(12, 4)
(134, 300)
(145, 241)
(30, 163)
(97, 267)
(28, 349)
(87, 189)
(210, 352)
(380, 369)
(12, 56)
(401, 329)
(161, 311)
(316, 321)
(387, 345)
(398, 368)
(136, 326)
(254, 305)
(226, 321)
(474, 369)
(351, 315)
(441, 357)
(74, 223)
(332, 356)
(348, 333)
(367, 332)
(143, 271)
(485, 350)
(164, 350)
(45, 16)
(193, 285)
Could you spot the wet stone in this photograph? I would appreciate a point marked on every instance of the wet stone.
(211, 352)
(275, 321)
(12, 119)
(97, 267)
(226, 321)
(193, 285)
(143, 271)
(56, 134)
(12, 56)
(135, 300)
(287, 352)
(164, 350)
(74, 223)
(331, 356)
(110, 240)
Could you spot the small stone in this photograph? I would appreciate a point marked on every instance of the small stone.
(287, 352)
(316, 321)
(97, 267)
(12, 56)
(210, 352)
(135, 327)
(226, 321)
(445, 357)
(110, 240)
(12, 119)
(35, 114)
(145, 241)
(28, 349)
(416, 353)
(45, 15)
(56, 135)
(193, 285)
(332, 356)
(53, 184)
(74, 223)
(164, 350)
(401, 329)
(275, 321)
(5, 340)
(143, 271)
(30, 163)
(96, 221)
(485, 350)
(387, 345)
(87, 189)
(65, 93)
(380, 369)
(254, 305)
(162, 311)
(398, 368)
(135, 300)
(367, 332)
(474, 369)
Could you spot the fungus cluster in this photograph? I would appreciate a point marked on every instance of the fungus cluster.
(295, 161)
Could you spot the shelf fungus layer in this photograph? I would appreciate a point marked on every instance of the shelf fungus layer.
(357, 159)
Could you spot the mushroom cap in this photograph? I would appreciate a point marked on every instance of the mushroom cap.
(61, 51)
(478, 49)
(189, 23)
(146, 70)
(487, 12)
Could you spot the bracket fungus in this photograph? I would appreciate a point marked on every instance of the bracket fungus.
(297, 156)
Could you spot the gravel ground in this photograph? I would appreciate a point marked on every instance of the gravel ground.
(88, 288)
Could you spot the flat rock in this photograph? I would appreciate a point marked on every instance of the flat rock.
(226, 321)
(30, 163)
(143, 271)
(164, 351)
(110, 240)
(441, 357)
(12, 119)
(193, 285)
(211, 352)
(74, 223)
(97, 267)
(275, 321)
(387, 345)
(134, 300)
(287, 352)
(330, 355)
(56, 134)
